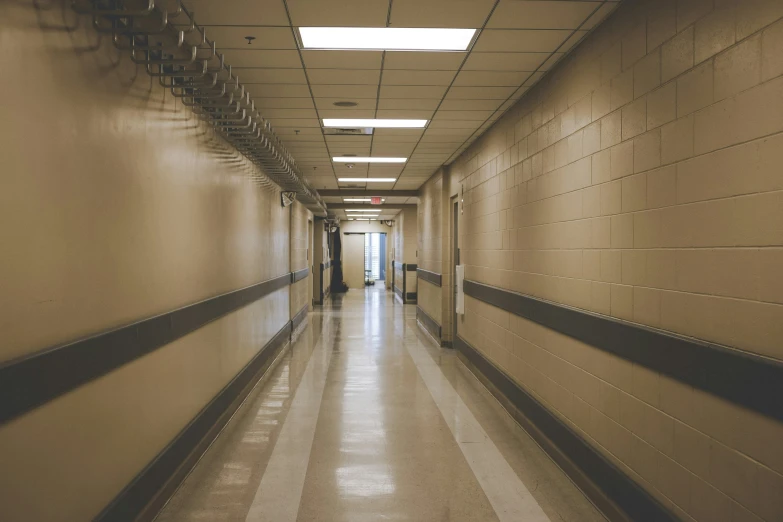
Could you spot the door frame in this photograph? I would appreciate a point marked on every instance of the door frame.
(454, 256)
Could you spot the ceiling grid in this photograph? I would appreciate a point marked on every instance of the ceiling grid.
(460, 93)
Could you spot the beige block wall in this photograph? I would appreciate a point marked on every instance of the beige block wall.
(430, 244)
(300, 251)
(116, 205)
(642, 179)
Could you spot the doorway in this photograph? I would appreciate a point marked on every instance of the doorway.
(310, 257)
(454, 263)
(375, 257)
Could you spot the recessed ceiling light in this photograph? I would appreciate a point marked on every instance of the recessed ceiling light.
(363, 210)
(360, 200)
(386, 38)
(365, 159)
(364, 180)
(344, 123)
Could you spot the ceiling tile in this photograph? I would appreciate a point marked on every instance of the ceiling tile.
(354, 140)
(412, 91)
(447, 131)
(423, 60)
(364, 104)
(437, 139)
(411, 103)
(345, 92)
(403, 77)
(271, 76)
(554, 14)
(398, 132)
(296, 123)
(504, 61)
(521, 41)
(384, 170)
(454, 124)
(344, 76)
(380, 139)
(480, 93)
(336, 112)
(286, 132)
(404, 114)
(238, 12)
(463, 115)
(272, 114)
(342, 59)
(282, 103)
(392, 149)
(339, 13)
(263, 58)
(440, 13)
(274, 90)
(227, 37)
(491, 78)
(469, 105)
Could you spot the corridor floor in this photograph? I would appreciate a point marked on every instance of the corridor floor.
(367, 419)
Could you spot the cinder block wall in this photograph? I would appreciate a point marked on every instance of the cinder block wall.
(643, 179)
(430, 244)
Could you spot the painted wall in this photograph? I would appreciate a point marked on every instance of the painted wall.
(300, 251)
(430, 244)
(405, 243)
(321, 255)
(116, 204)
(641, 179)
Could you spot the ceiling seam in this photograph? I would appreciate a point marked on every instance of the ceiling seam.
(446, 92)
(459, 150)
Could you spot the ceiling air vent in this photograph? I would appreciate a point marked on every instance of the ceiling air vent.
(348, 132)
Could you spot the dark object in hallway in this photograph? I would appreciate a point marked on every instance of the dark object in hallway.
(338, 285)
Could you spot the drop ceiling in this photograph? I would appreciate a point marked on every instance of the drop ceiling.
(461, 93)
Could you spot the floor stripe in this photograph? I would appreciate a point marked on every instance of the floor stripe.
(279, 494)
(510, 499)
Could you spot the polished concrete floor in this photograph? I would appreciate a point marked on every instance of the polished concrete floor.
(367, 419)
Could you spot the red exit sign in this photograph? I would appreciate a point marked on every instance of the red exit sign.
(375, 201)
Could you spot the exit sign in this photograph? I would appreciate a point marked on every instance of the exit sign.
(375, 201)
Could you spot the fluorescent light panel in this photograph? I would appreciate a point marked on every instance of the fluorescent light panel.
(365, 159)
(363, 210)
(363, 180)
(386, 38)
(380, 123)
(360, 200)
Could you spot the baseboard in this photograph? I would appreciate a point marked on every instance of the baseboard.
(149, 491)
(613, 492)
(429, 324)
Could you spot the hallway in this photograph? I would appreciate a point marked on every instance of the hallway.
(365, 418)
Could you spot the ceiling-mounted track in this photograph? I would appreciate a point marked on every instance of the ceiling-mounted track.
(163, 36)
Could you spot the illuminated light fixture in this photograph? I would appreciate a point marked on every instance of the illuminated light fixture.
(386, 38)
(364, 211)
(360, 159)
(360, 200)
(380, 123)
(362, 180)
